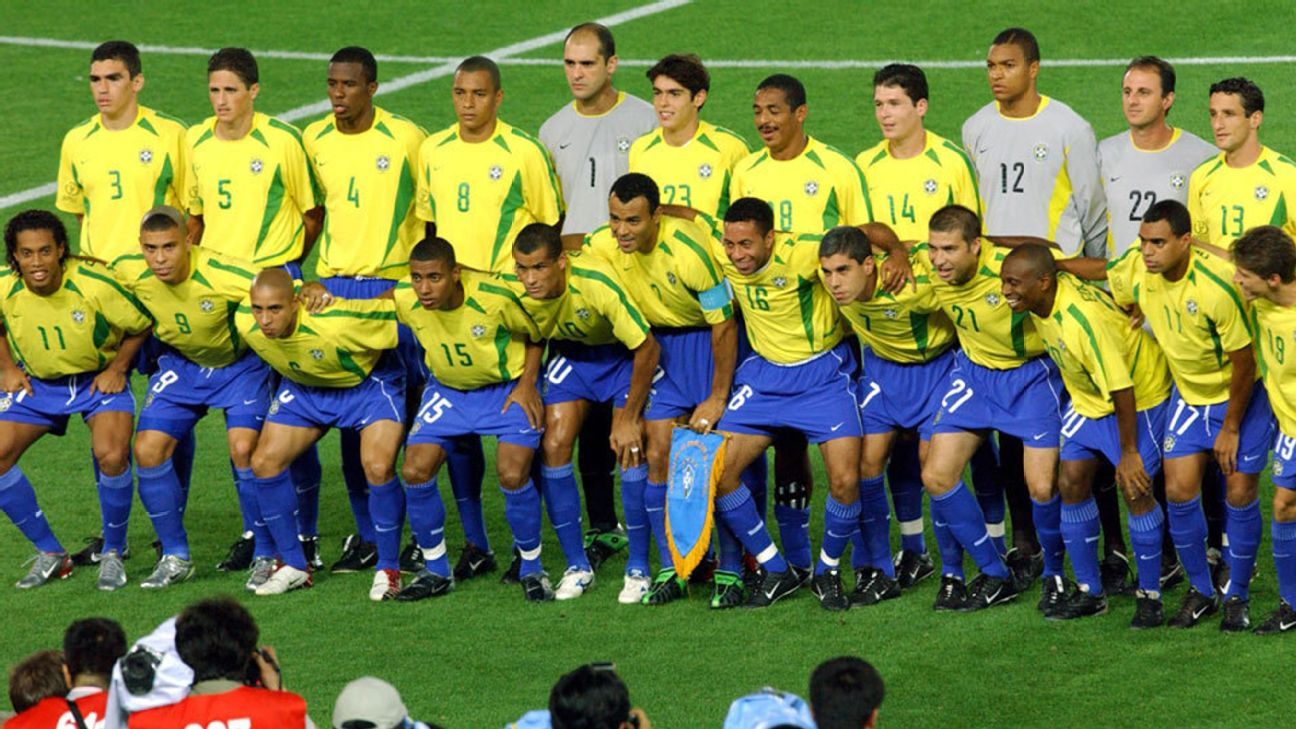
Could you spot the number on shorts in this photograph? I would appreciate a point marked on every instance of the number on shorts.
(1284, 446)
(961, 394)
(1193, 414)
(165, 380)
(874, 390)
(1071, 422)
(435, 408)
(740, 397)
(557, 370)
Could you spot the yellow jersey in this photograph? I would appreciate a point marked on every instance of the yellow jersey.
(483, 342)
(195, 316)
(595, 309)
(368, 185)
(337, 347)
(252, 192)
(76, 329)
(1274, 326)
(1225, 202)
(1097, 351)
(481, 194)
(678, 283)
(1198, 319)
(695, 174)
(818, 189)
(909, 327)
(905, 192)
(114, 177)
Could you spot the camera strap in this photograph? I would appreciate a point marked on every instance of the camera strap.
(76, 714)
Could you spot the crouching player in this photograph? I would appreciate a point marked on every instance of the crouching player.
(484, 353)
(1119, 383)
(327, 360)
(72, 333)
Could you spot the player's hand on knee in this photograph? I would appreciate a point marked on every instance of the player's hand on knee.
(13, 379)
(707, 414)
(108, 382)
(315, 297)
(1226, 448)
(1132, 477)
(527, 397)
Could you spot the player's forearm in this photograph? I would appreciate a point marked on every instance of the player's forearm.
(1126, 419)
(724, 351)
(884, 239)
(6, 355)
(573, 241)
(126, 353)
(194, 228)
(1015, 241)
(1241, 383)
(1090, 269)
(645, 366)
(312, 224)
(1221, 252)
(531, 363)
(679, 211)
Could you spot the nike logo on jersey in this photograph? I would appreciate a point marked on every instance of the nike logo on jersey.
(106, 400)
(1249, 458)
(564, 146)
(249, 402)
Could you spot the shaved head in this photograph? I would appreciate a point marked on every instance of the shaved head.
(1033, 259)
(1029, 279)
(275, 280)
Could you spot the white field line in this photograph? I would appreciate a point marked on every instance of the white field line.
(446, 68)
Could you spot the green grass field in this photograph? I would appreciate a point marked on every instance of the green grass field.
(481, 657)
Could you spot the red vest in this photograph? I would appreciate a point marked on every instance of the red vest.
(53, 713)
(242, 708)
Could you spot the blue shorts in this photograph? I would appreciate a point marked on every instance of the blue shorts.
(54, 400)
(684, 372)
(381, 396)
(581, 372)
(446, 413)
(180, 393)
(816, 398)
(1083, 438)
(1025, 401)
(407, 352)
(1191, 429)
(895, 396)
(1284, 460)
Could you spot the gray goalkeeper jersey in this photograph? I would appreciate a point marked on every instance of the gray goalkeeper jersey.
(591, 152)
(1039, 176)
(1134, 179)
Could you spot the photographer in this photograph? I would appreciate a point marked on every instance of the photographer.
(90, 647)
(591, 697)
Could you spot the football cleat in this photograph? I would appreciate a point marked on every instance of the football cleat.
(239, 556)
(1220, 573)
(1195, 607)
(1024, 568)
(511, 575)
(259, 572)
(774, 587)
(667, 587)
(728, 591)
(285, 579)
(601, 545)
(473, 562)
(574, 583)
(1172, 573)
(112, 572)
(89, 554)
(386, 585)
(951, 596)
(536, 587)
(1148, 612)
(1079, 604)
(987, 591)
(1282, 620)
(1054, 593)
(411, 559)
(1117, 576)
(310, 548)
(169, 570)
(704, 572)
(357, 556)
(803, 574)
(827, 586)
(911, 568)
(426, 584)
(872, 586)
(46, 566)
(1236, 617)
(635, 588)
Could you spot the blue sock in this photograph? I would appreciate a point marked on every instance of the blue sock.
(990, 492)
(159, 491)
(905, 476)
(841, 521)
(18, 501)
(1048, 527)
(951, 552)
(1080, 533)
(182, 459)
(115, 501)
(467, 465)
(731, 550)
(875, 524)
(638, 533)
(959, 509)
(562, 500)
(1284, 555)
(357, 485)
(387, 505)
(522, 512)
(655, 508)
(1244, 527)
(756, 478)
(738, 511)
(427, 517)
(1188, 530)
(306, 473)
(794, 531)
(250, 506)
(1145, 539)
(278, 501)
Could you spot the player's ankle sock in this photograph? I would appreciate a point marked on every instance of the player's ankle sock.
(306, 474)
(1284, 555)
(467, 466)
(1244, 527)
(875, 524)
(633, 482)
(250, 507)
(427, 517)
(1048, 527)
(655, 508)
(731, 550)
(18, 501)
(522, 512)
(1188, 530)
(958, 508)
(182, 459)
(278, 501)
(386, 505)
(990, 492)
(562, 501)
(951, 552)
(115, 501)
(756, 478)
(905, 476)
(1145, 539)
(794, 532)
(841, 521)
(159, 492)
(1080, 527)
(738, 511)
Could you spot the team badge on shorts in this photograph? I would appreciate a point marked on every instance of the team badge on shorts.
(383, 163)
(256, 166)
(696, 462)
(78, 316)
(1169, 443)
(1177, 180)
(811, 188)
(149, 400)
(1277, 467)
(1040, 151)
(146, 156)
(496, 172)
(930, 187)
(206, 305)
(704, 171)
(6, 402)
(317, 354)
(1261, 193)
(274, 406)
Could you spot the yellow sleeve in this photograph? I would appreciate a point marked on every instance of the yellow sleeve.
(193, 198)
(855, 205)
(964, 185)
(70, 198)
(117, 305)
(518, 320)
(299, 180)
(362, 324)
(1120, 277)
(425, 207)
(1228, 313)
(1102, 357)
(540, 185)
(628, 324)
(180, 183)
(701, 274)
(403, 299)
(1200, 221)
(231, 277)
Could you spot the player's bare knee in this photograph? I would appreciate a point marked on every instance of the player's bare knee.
(416, 472)
(266, 464)
(844, 490)
(1242, 492)
(150, 452)
(556, 451)
(1181, 490)
(1284, 505)
(241, 452)
(112, 461)
(937, 480)
(377, 470)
